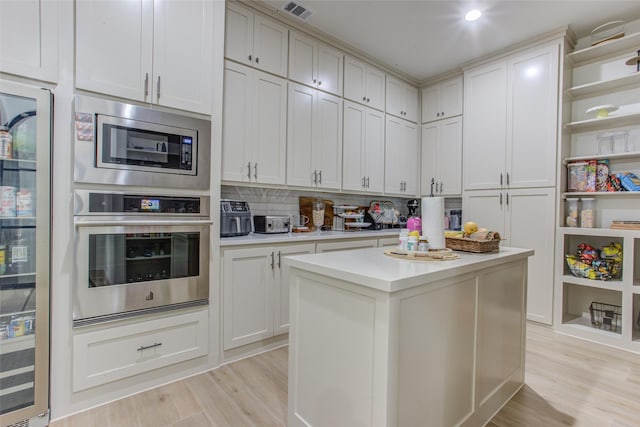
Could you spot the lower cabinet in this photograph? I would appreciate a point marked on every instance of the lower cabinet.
(256, 292)
(346, 245)
(525, 218)
(106, 355)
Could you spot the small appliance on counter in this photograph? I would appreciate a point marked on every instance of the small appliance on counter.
(235, 218)
(414, 222)
(268, 224)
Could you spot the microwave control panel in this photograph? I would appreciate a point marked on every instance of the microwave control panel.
(186, 152)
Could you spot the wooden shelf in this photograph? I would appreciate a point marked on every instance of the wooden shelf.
(611, 285)
(604, 123)
(604, 85)
(616, 156)
(601, 194)
(584, 324)
(629, 42)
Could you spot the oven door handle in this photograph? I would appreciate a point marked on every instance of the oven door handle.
(102, 223)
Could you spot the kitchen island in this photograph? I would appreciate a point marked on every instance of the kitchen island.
(379, 341)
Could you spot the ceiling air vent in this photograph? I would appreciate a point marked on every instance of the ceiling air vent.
(297, 10)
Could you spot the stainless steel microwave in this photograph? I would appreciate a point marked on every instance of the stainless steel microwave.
(124, 144)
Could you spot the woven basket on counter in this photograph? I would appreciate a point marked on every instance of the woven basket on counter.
(467, 244)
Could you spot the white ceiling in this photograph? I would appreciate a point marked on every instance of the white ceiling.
(425, 38)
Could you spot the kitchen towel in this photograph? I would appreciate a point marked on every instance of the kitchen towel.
(433, 221)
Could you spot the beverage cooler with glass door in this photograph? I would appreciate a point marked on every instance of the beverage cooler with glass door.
(25, 141)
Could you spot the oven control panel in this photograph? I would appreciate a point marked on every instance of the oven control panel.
(118, 203)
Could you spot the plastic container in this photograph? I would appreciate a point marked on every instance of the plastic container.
(587, 213)
(403, 239)
(412, 244)
(613, 142)
(582, 176)
(571, 212)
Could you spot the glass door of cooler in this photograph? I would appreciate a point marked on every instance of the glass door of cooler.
(25, 140)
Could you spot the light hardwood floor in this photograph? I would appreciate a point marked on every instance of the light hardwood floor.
(569, 382)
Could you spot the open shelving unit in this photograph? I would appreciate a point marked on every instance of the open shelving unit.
(599, 76)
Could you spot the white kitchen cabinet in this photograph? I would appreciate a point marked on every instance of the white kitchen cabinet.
(364, 83)
(255, 40)
(510, 126)
(254, 126)
(314, 138)
(363, 149)
(105, 355)
(346, 245)
(442, 100)
(29, 39)
(442, 157)
(315, 64)
(401, 157)
(150, 51)
(525, 218)
(255, 293)
(402, 99)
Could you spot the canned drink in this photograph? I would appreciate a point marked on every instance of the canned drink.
(7, 201)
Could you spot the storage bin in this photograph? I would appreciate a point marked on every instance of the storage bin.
(613, 142)
(582, 176)
(587, 213)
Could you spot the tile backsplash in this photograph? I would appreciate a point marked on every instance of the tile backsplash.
(274, 201)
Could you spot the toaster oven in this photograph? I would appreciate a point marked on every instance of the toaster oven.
(271, 224)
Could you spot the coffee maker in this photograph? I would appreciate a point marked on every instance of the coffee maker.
(414, 222)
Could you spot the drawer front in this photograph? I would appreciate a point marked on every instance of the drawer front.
(111, 354)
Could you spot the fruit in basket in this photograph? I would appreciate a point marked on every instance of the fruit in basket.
(453, 233)
(470, 227)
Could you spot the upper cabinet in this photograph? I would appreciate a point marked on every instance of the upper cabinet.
(315, 64)
(29, 39)
(401, 157)
(364, 83)
(510, 125)
(151, 51)
(314, 138)
(255, 40)
(363, 149)
(442, 100)
(441, 171)
(402, 99)
(254, 127)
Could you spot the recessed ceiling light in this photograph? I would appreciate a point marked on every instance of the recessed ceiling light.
(472, 15)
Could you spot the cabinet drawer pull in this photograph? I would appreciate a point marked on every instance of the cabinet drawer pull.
(500, 199)
(279, 259)
(146, 347)
(319, 177)
(500, 179)
(367, 182)
(507, 178)
(273, 261)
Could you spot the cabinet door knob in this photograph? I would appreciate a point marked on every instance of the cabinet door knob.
(437, 114)
(314, 80)
(250, 57)
(368, 100)
(364, 98)
(442, 114)
(257, 60)
(319, 83)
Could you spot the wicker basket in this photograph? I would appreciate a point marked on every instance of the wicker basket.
(471, 245)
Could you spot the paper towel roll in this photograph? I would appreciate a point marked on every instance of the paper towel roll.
(433, 221)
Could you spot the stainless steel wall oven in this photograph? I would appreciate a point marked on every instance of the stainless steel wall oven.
(124, 144)
(139, 253)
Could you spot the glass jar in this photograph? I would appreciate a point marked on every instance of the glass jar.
(587, 213)
(318, 214)
(571, 212)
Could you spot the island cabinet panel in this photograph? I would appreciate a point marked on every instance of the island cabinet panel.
(376, 341)
(448, 399)
(500, 330)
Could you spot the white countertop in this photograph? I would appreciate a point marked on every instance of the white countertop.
(257, 238)
(372, 268)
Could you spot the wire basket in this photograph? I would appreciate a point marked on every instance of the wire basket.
(607, 317)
